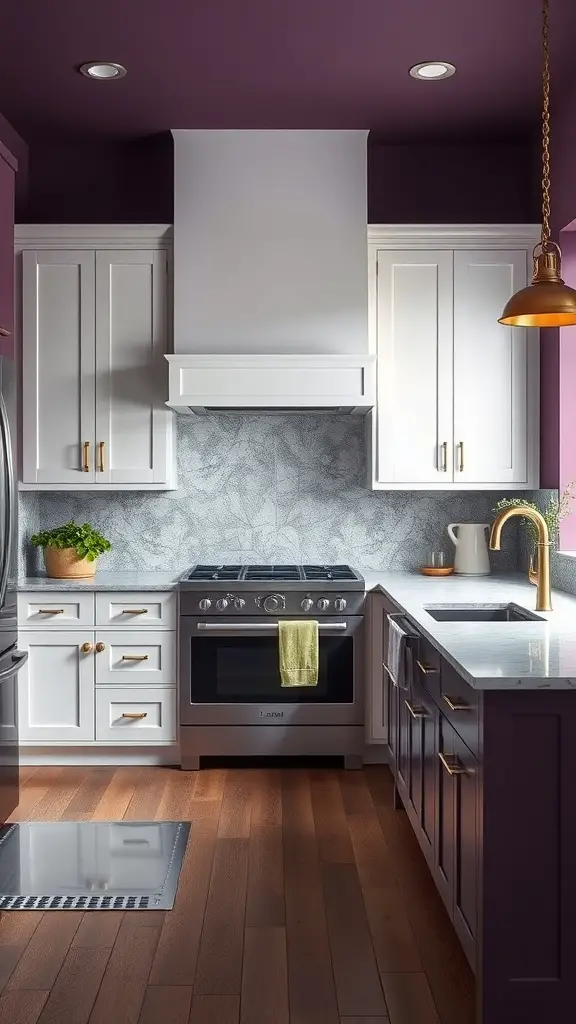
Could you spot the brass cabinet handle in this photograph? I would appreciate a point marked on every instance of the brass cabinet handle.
(134, 657)
(416, 712)
(452, 764)
(101, 456)
(134, 714)
(460, 450)
(100, 647)
(443, 454)
(134, 611)
(454, 704)
(50, 611)
(4, 332)
(87, 648)
(428, 670)
(86, 457)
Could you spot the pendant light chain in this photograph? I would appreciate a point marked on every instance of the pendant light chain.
(545, 129)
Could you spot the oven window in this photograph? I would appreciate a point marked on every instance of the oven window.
(244, 670)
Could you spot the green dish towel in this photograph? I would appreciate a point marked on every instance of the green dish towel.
(298, 650)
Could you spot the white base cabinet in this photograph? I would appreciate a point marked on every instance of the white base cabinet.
(457, 392)
(94, 330)
(55, 688)
(93, 686)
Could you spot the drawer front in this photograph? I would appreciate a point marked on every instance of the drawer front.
(135, 715)
(131, 611)
(459, 703)
(140, 657)
(59, 609)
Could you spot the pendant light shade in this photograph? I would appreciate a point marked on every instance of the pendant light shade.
(547, 301)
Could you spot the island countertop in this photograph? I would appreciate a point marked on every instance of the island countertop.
(490, 655)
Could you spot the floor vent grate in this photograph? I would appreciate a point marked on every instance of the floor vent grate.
(77, 903)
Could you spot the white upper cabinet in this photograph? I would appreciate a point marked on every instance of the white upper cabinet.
(58, 400)
(132, 423)
(414, 366)
(94, 380)
(491, 427)
(458, 399)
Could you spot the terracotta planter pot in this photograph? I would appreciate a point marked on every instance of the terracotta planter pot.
(64, 564)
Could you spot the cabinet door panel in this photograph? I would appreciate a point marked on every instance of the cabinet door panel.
(414, 325)
(466, 847)
(6, 259)
(444, 859)
(490, 370)
(132, 421)
(58, 366)
(56, 687)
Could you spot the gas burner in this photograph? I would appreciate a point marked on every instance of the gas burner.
(267, 574)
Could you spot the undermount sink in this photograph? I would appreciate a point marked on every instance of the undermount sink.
(483, 613)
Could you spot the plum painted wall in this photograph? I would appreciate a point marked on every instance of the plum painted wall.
(132, 182)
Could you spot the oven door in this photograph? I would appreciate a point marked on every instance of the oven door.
(229, 674)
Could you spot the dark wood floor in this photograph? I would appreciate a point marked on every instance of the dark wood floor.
(303, 899)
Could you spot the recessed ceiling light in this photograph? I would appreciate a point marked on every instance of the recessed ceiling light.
(103, 70)
(433, 70)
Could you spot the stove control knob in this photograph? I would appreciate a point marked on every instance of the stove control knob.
(204, 604)
(340, 604)
(239, 603)
(222, 604)
(273, 603)
(307, 604)
(323, 604)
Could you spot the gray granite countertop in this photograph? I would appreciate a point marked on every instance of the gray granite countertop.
(491, 655)
(105, 581)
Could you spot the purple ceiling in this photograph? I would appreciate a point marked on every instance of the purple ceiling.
(278, 63)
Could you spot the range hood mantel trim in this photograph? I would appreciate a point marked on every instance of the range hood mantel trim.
(271, 383)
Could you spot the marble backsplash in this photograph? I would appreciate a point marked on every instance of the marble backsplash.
(266, 489)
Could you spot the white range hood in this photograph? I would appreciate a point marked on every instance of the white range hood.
(270, 272)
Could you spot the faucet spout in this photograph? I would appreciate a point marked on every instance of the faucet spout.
(543, 593)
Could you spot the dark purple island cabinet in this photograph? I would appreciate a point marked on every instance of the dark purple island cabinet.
(488, 781)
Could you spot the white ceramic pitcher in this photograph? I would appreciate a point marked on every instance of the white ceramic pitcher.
(471, 549)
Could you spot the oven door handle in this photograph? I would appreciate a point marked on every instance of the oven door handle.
(258, 627)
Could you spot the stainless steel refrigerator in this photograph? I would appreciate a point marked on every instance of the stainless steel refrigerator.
(11, 659)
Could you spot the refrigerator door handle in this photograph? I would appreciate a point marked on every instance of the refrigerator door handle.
(9, 498)
(16, 661)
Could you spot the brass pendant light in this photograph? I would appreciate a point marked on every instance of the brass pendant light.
(547, 302)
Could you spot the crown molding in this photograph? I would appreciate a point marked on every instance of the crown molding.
(453, 236)
(90, 236)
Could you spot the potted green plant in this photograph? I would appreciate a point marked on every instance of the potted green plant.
(557, 508)
(71, 550)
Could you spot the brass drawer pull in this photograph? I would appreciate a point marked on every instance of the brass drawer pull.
(50, 611)
(134, 657)
(4, 332)
(101, 456)
(428, 670)
(86, 457)
(134, 714)
(454, 704)
(452, 764)
(87, 648)
(100, 647)
(134, 611)
(416, 712)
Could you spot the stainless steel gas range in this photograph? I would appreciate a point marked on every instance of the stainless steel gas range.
(231, 700)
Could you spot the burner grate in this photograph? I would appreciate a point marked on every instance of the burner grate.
(216, 572)
(328, 572)
(272, 572)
